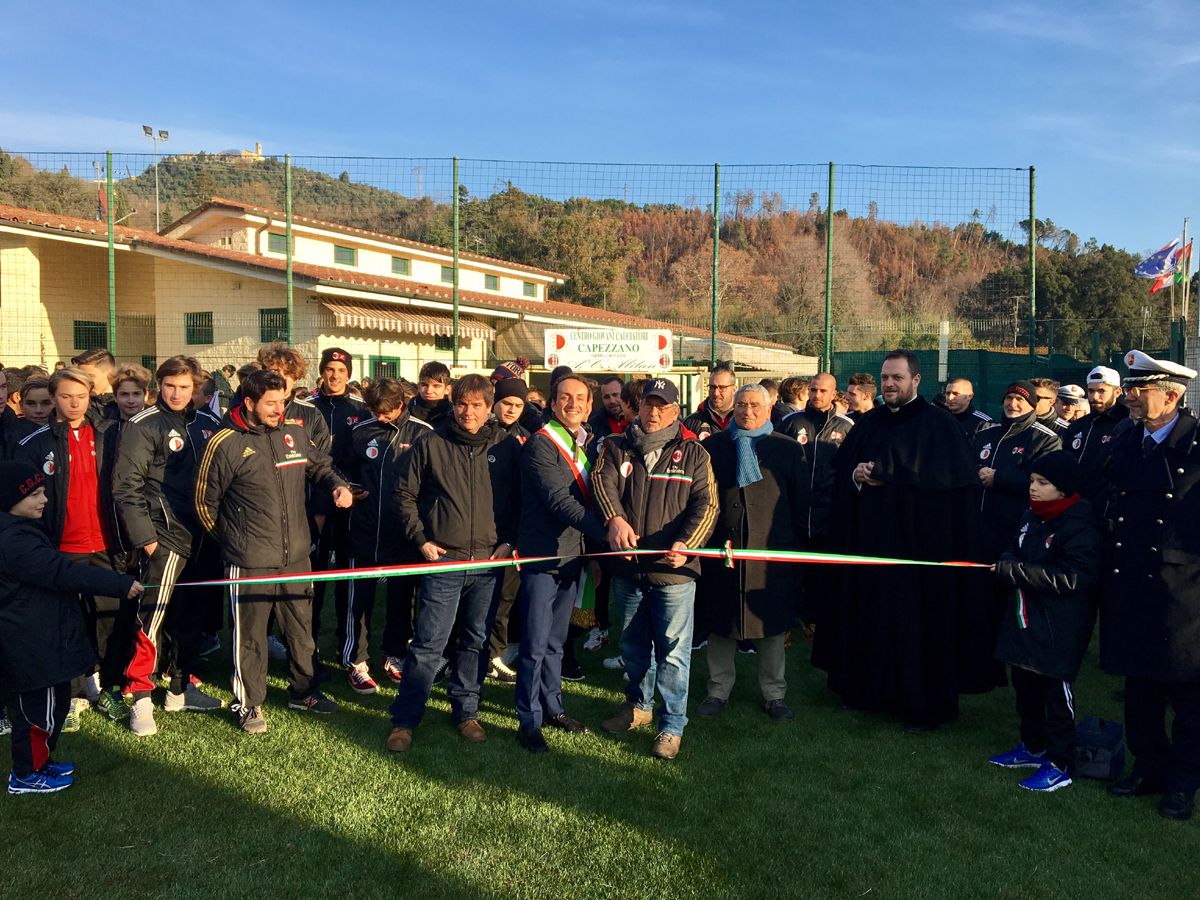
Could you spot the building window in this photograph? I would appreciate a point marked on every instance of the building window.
(345, 256)
(385, 367)
(443, 342)
(529, 289)
(277, 243)
(401, 266)
(491, 282)
(272, 324)
(447, 274)
(149, 362)
(90, 335)
(197, 328)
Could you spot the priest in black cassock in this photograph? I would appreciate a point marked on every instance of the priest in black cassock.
(906, 639)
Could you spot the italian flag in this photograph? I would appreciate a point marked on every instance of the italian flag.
(1181, 270)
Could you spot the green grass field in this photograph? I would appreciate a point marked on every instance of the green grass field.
(834, 804)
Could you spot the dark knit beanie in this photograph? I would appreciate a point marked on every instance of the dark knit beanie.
(1026, 390)
(511, 387)
(514, 369)
(337, 354)
(1060, 469)
(17, 481)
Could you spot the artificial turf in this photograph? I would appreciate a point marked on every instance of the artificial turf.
(833, 804)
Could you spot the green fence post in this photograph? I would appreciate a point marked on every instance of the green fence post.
(1032, 266)
(287, 214)
(112, 255)
(712, 352)
(827, 353)
(455, 288)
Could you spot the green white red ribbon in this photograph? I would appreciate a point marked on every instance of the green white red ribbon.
(728, 554)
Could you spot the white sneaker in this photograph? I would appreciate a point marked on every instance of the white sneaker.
(192, 699)
(91, 686)
(5, 726)
(141, 717)
(614, 662)
(275, 649)
(596, 638)
(510, 654)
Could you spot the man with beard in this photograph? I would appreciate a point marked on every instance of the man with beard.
(610, 418)
(906, 639)
(959, 398)
(1047, 396)
(1089, 439)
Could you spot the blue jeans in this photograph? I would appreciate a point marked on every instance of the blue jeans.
(656, 644)
(469, 597)
(547, 599)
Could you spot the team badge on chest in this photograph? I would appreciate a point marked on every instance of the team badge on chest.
(986, 451)
(626, 469)
(290, 441)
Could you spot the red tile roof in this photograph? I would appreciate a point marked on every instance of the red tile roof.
(136, 237)
(358, 232)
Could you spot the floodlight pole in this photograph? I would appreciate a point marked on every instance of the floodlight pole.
(161, 135)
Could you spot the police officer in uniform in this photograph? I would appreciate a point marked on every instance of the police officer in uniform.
(1150, 601)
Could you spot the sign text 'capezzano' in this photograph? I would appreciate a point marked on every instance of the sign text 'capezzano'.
(601, 350)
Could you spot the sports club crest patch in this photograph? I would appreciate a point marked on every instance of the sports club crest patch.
(677, 456)
(175, 444)
(351, 420)
(837, 435)
(290, 441)
(986, 451)
(48, 463)
(1049, 538)
(1078, 442)
(626, 469)
(1018, 451)
(372, 452)
(802, 437)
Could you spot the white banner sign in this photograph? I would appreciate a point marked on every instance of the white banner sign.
(601, 350)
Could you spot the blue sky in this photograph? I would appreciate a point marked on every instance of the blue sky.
(1100, 97)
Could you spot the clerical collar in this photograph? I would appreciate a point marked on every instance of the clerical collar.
(897, 409)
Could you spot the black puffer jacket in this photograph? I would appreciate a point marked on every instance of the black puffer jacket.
(704, 423)
(459, 490)
(1053, 567)
(1009, 447)
(822, 434)
(43, 640)
(250, 490)
(675, 499)
(373, 459)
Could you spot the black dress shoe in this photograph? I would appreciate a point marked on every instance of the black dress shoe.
(1136, 786)
(532, 740)
(563, 722)
(1176, 805)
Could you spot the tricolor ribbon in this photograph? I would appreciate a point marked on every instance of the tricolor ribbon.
(728, 554)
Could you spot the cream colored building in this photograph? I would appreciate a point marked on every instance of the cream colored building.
(213, 285)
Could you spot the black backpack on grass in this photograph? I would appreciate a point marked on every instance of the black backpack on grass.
(1099, 749)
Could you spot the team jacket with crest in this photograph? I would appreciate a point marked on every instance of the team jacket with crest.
(340, 414)
(154, 477)
(705, 423)
(373, 458)
(48, 449)
(822, 443)
(676, 500)
(972, 421)
(250, 490)
(1010, 452)
(461, 496)
(1090, 437)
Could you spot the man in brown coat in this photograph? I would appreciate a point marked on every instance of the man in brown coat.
(764, 495)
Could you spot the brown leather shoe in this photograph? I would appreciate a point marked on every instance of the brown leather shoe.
(627, 717)
(472, 731)
(666, 746)
(399, 740)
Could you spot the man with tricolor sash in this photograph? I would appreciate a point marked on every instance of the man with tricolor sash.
(655, 491)
(557, 519)
(250, 496)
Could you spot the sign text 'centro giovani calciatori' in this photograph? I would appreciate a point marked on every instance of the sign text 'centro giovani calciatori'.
(602, 350)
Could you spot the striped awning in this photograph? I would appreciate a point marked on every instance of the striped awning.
(405, 320)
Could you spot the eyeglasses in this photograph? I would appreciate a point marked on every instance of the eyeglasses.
(1138, 391)
(721, 387)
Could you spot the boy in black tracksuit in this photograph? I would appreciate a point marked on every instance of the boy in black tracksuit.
(250, 495)
(372, 458)
(43, 639)
(1045, 631)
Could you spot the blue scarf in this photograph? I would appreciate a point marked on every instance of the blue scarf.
(748, 471)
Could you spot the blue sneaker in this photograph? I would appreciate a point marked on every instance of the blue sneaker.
(1048, 778)
(41, 782)
(1018, 758)
(59, 768)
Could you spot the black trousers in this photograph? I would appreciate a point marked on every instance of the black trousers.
(1047, 710)
(205, 565)
(332, 554)
(1175, 759)
(360, 604)
(251, 606)
(110, 624)
(37, 719)
(165, 636)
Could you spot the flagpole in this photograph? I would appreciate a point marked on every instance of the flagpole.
(1187, 265)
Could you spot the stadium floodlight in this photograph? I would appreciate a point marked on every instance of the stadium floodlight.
(161, 136)
(149, 131)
